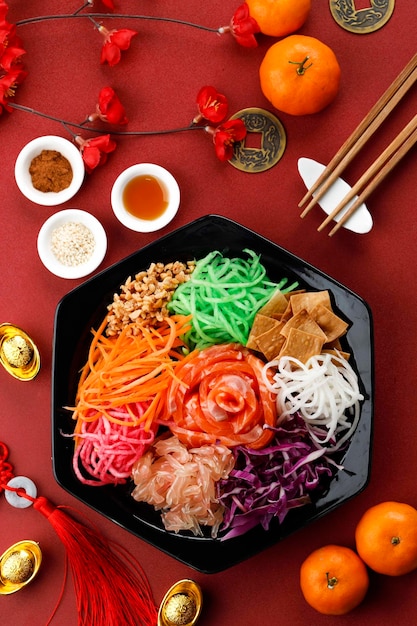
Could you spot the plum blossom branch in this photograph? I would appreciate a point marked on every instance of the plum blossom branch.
(242, 26)
(99, 16)
(84, 6)
(212, 105)
(82, 126)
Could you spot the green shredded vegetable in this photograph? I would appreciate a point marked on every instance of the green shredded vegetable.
(223, 296)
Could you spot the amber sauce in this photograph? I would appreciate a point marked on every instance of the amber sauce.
(145, 197)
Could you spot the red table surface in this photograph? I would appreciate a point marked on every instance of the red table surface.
(157, 81)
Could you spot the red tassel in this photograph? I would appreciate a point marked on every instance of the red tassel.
(110, 585)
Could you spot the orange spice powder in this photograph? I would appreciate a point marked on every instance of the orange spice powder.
(50, 171)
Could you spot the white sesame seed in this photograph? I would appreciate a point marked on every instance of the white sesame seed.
(72, 243)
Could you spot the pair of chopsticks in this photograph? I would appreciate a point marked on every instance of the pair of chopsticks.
(381, 167)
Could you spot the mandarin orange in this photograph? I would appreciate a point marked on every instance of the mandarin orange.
(278, 18)
(386, 538)
(300, 75)
(334, 580)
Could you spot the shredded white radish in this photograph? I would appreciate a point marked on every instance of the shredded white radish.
(324, 391)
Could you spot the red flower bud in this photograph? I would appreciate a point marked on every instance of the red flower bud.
(109, 108)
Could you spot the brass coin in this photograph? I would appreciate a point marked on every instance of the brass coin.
(361, 21)
(273, 141)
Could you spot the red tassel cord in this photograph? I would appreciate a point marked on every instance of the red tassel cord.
(6, 469)
(111, 587)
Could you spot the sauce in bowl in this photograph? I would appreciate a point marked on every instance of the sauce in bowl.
(145, 197)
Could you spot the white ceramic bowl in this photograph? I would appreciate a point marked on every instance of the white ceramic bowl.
(50, 260)
(33, 149)
(138, 224)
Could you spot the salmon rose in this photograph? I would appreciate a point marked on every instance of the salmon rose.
(219, 397)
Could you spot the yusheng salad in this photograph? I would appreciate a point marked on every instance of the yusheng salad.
(222, 395)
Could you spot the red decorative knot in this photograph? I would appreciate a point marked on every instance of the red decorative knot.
(6, 469)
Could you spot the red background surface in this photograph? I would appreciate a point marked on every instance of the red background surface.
(157, 81)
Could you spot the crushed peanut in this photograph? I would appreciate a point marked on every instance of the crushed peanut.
(144, 299)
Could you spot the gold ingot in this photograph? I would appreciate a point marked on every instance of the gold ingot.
(181, 605)
(19, 566)
(18, 354)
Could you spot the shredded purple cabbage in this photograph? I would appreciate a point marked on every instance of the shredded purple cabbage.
(268, 483)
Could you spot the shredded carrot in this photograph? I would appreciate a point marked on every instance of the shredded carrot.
(127, 369)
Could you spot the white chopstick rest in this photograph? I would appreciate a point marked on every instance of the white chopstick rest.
(360, 222)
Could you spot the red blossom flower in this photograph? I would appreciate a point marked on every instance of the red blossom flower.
(115, 41)
(5, 28)
(10, 49)
(212, 105)
(8, 84)
(243, 27)
(94, 151)
(3, 12)
(109, 108)
(109, 4)
(225, 136)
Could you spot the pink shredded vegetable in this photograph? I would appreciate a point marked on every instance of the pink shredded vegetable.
(107, 450)
(267, 483)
